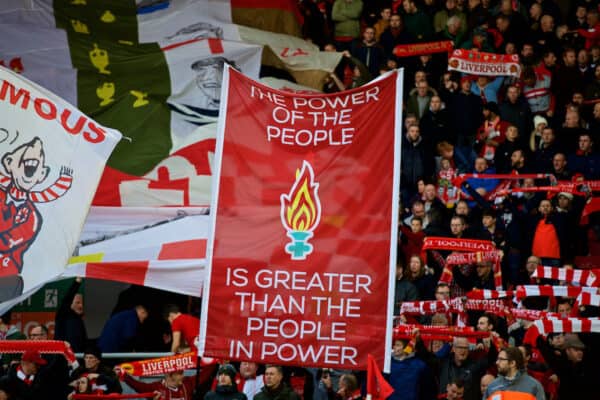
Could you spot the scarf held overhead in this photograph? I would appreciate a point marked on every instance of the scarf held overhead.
(481, 63)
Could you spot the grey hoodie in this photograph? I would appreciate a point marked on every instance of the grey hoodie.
(520, 383)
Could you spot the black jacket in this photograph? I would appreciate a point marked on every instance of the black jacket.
(38, 389)
(69, 325)
(283, 392)
(229, 392)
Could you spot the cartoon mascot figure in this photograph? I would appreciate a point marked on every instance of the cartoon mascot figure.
(21, 221)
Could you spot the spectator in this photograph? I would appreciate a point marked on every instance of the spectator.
(461, 364)
(55, 370)
(317, 27)
(185, 329)
(571, 130)
(515, 109)
(505, 150)
(345, 14)
(539, 124)
(450, 10)
(559, 167)
(455, 390)
(592, 90)
(430, 199)
(487, 378)
(435, 123)
(9, 331)
(419, 99)
(592, 32)
(417, 209)
(26, 379)
(252, 383)
(483, 186)
(543, 155)
(491, 133)
(383, 22)
(421, 277)
(493, 228)
(545, 38)
(518, 162)
(174, 386)
(100, 376)
(404, 289)
(549, 240)
(349, 388)
(80, 386)
(576, 368)
(567, 79)
(465, 108)
(412, 237)
(69, 324)
(394, 35)
(275, 388)
(368, 51)
(121, 329)
(458, 226)
(513, 376)
(594, 124)
(487, 89)
(478, 41)
(408, 374)
(417, 22)
(482, 279)
(537, 91)
(585, 161)
(417, 161)
(453, 31)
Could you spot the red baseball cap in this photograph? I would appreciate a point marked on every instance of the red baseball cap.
(34, 357)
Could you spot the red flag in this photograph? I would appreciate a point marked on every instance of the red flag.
(377, 386)
(316, 180)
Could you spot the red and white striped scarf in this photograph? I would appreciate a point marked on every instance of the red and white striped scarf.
(587, 299)
(479, 256)
(51, 193)
(580, 276)
(532, 315)
(454, 331)
(426, 307)
(552, 291)
(429, 307)
(472, 258)
(568, 325)
(497, 306)
(486, 294)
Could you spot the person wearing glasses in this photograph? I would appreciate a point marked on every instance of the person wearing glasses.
(513, 377)
(55, 369)
(463, 364)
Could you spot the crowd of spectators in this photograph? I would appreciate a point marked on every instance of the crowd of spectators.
(465, 138)
(545, 122)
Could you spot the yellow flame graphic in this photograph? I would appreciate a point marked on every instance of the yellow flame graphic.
(302, 206)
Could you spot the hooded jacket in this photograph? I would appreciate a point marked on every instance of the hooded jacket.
(522, 383)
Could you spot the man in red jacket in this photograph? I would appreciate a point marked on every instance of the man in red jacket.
(185, 328)
(174, 386)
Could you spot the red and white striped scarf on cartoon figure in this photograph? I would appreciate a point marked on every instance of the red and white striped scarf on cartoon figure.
(51, 193)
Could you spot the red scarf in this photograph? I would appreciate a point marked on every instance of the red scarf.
(28, 379)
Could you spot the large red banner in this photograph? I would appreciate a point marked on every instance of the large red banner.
(305, 218)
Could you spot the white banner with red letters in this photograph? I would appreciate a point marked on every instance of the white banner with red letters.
(305, 220)
(481, 63)
(52, 156)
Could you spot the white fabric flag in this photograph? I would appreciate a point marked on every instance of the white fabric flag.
(52, 157)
